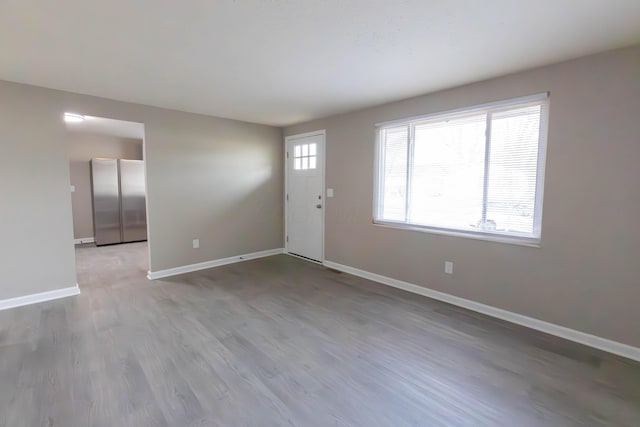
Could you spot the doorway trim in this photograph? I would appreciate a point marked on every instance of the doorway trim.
(323, 134)
(144, 146)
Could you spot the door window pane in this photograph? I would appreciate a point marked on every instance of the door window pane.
(305, 156)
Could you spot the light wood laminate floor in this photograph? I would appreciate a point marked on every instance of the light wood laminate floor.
(282, 342)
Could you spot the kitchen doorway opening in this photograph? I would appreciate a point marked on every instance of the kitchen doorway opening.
(108, 194)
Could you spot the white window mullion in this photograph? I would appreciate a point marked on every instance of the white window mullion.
(381, 164)
(485, 187)
(410, 149)
(381, 177)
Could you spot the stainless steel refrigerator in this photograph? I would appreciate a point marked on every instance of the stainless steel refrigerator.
(119, 201)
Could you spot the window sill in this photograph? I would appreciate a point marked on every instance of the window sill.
(496, 238)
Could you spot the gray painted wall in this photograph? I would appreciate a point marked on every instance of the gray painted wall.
(586, 276)
(214, 179)
(82, 147)
(36, 248)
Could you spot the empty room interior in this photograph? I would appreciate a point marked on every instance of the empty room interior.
(336, 213)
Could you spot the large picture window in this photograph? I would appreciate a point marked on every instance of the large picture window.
(477, 171)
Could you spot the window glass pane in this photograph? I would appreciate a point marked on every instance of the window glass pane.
(448, 173)
(305, 150)
(297, 151)
(296, 163)
(394, 173)
(312, 149)
(512, 172)
(305, 163)
(312, 162)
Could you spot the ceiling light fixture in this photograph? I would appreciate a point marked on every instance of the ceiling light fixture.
(73, 117)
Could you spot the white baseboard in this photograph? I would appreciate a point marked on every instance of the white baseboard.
(40, 297)
(152, 275)
(84, 240)
(540, 325)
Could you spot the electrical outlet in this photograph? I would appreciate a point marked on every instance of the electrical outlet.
(448, 267)
(196, 243)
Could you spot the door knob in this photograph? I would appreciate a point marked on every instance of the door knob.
(318, 206)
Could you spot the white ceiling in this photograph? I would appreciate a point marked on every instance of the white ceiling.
(283, 61)
(103, 126)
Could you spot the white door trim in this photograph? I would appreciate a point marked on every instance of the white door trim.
(322, 133)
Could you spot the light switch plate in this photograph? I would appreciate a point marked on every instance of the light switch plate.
(73, 188)
(448, 267)
(329, 192)
(196, 243)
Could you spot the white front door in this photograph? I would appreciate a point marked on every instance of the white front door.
(304, 198)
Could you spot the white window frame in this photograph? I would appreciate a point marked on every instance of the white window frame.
(497, 236)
